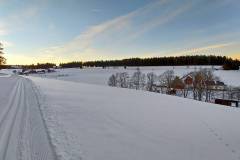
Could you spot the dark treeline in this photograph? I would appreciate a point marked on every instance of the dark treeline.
(227, 63)
(71, 65)
(31, 66)
(6, 66)
(165, 61)
(39, 66)
(231, 65)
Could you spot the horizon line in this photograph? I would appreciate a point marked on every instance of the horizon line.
(119, 59)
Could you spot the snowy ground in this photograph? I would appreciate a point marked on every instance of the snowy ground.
(22, 130)
(100, 76)
(48, 119)
(92, 122)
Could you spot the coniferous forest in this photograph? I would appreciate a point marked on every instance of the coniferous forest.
(229, 63)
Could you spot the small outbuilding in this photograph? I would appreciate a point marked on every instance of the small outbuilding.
(226, 102)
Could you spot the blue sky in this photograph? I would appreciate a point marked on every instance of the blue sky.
(65, 30)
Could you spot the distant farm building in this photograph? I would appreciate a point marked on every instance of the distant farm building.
(216, 85)
(232, 103)
(36, 71)
(188, 80)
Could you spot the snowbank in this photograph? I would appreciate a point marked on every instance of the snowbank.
(95, 122)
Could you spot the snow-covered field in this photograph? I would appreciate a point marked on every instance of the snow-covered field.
(100, 76)
(92, 122)
(49, 119)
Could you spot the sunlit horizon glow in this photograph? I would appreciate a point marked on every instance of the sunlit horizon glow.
(61, 31)
(18, 60)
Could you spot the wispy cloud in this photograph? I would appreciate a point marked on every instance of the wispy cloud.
(160, 20)
(121, 29)
(96, 10)
(215, 49)
(118, 37)
(14, 21)
(210, 49)
(114, 25)
(25, 14)
(3, 29)
(51, 26)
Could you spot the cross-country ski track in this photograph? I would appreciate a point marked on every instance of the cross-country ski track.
(23, 134)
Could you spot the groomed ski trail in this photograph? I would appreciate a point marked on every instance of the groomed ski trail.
(23, 134)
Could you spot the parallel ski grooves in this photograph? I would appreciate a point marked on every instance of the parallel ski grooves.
(23, 135)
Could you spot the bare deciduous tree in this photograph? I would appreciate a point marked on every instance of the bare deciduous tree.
(138, 79)
(2, 59)
(123, 80)
(198, 85)
(209, 79)
(112, 81)
(1, 48)
(202, 84)
(151, 79)
(166, 79)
